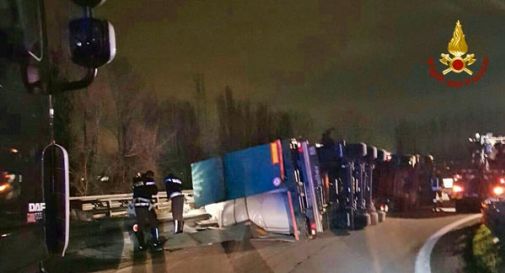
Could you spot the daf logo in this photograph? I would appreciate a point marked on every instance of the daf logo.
(36, 207)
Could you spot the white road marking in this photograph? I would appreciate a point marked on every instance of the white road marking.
(423, 258)
(448, 209)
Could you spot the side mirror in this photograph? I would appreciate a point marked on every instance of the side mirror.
(55, 175)
(92, 41)
(89, 3)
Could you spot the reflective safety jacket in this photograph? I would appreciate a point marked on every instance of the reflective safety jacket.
(143, 191)
(173, 186)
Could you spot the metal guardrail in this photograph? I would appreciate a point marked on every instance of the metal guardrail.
(95, 206)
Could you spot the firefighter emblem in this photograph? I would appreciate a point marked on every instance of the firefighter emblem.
(456, 61)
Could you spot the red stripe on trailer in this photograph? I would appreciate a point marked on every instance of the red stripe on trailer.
(281, 159)
(293, 220)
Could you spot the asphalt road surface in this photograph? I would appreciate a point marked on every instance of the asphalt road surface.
(389, 247)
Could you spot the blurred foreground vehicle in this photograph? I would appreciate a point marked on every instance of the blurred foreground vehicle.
(34, 204)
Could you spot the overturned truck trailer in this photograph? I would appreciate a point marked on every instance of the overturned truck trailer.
(277, 186)
(348, 171)
(403, 183)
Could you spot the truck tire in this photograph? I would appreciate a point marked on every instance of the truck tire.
(371, 153)
(361, 220)
(374, 218)
(355, 151)
(340, 220)
(382, 216)
(381, 155)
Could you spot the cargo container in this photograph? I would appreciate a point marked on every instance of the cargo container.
(281, 178)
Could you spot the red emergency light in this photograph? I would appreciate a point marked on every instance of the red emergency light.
(457, 188)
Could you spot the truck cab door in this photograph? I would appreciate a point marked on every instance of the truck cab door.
(55, 175)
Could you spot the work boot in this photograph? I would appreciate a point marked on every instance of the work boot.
(178, 226)
(182, 227)
(140, 240)
(155, 235)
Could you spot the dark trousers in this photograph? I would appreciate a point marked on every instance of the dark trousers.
(178, 207)
(177, 210)
(146, 218)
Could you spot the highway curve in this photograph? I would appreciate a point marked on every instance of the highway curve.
(390, 247)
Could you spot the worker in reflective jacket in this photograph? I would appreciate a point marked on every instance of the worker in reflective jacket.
(144, 187)
(174, 192)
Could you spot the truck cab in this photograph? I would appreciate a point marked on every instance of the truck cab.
(34, 179)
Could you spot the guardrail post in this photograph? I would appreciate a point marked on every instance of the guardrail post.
(109, 208)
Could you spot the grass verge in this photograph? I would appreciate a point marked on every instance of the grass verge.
(484, 254)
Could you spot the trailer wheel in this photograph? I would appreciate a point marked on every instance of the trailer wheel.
(382, 216)
(374, 218)
(361, 220)
(356, 150)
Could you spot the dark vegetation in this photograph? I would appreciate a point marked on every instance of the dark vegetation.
(118, 127)
(483, 254)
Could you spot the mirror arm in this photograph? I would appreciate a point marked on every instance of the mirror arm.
(82, 83)
(88, 12)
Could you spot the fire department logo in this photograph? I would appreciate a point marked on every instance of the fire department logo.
(457, 47)
(458, 60)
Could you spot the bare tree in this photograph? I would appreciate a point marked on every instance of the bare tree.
(126, 93)
(180, 131)
(243, 124)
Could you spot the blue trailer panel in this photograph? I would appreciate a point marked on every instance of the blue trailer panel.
(290, 165)
(208, 181)
(252, 171)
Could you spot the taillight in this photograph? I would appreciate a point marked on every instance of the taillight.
(498, 190)
(4, 187)
(457, 188)
(300, 148)
(5, 179)
(313, 228)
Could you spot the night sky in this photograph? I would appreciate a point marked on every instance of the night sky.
(339, 61)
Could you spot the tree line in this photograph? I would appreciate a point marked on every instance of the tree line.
(446, 136)
(118, 127)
